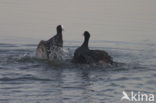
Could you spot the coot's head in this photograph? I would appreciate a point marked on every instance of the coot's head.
(59, 28)
(86, 34)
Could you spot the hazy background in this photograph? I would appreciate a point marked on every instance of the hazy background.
(109, 20)
(126, 29)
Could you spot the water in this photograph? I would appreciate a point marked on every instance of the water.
(125, 29)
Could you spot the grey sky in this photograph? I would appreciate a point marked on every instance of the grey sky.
(119, 20)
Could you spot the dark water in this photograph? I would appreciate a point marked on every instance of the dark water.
(124, 28)
(25, 79)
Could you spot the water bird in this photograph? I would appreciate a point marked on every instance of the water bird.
(84, 55)
(52, 48)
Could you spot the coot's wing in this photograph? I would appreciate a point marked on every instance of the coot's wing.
(41, 51)
(99, 55)
(55, 41)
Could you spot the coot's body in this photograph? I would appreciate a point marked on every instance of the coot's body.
(52, 48)
(84, 55)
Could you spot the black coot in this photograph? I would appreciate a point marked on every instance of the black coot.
(84, 55)
(52, 48)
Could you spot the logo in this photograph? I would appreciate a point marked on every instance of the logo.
(137, 97)
(125, 96)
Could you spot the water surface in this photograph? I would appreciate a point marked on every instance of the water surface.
(125, 29)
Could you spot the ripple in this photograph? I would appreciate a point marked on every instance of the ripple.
(23, 79)
(7, 45)
(21, 74)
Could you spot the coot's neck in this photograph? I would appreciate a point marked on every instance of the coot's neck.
(85, 43)
(59, 32)
(59, 39)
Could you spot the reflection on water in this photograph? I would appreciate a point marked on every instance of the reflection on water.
(125, 29)
(23, 78)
